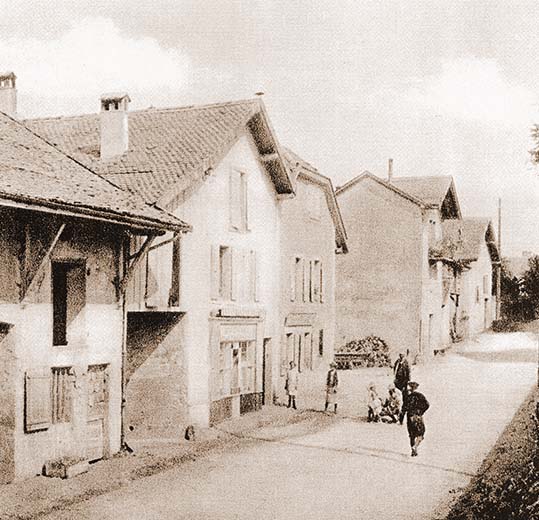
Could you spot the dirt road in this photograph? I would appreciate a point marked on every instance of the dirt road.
(352, 469)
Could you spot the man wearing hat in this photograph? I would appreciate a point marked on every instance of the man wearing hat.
(332, 382)
(414, 407)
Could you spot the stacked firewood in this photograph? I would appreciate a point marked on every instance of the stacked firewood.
(371, 351)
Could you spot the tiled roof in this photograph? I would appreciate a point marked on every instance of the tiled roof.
(462, 238)
(390, 186)
(171, 148)
(297, 167)
(431, 190)
(33, 171)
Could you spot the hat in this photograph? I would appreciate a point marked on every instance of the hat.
(413, 385)
(371, 385)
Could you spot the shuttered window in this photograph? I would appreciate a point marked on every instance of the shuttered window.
(238, 200)
(37, 400)
(62, 409)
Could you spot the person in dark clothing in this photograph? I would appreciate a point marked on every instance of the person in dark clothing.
(401, 371)
(415, 406)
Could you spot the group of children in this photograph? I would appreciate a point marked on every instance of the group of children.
(387, 411)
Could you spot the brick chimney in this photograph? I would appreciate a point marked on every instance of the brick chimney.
(114, 125)
(8, 94)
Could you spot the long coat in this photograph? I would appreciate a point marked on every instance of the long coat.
(402, 373)
(291, 385)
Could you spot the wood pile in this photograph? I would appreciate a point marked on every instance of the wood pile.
(371, 351)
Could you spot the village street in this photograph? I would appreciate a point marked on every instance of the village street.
(352, 469)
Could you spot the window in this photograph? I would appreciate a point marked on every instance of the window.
(68, 298)
(237, 360)
(238, 200)
(321, 342)
(225, 272)
(61, 395)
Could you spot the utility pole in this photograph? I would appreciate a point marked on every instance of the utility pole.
(499, 276)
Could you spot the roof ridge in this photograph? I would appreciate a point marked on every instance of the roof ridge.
(422, 177)
(152, 109)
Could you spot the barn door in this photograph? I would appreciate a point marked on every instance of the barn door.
(98, 405)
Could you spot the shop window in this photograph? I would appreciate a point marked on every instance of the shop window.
(68, 297)
(237, 366)
(61, 395)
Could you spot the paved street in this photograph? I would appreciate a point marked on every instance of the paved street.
(352, 469)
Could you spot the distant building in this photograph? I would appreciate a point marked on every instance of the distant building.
(390, 284)
(471, 243)
(63, 271)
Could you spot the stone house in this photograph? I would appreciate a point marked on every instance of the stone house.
(390, 285)
(471, 244)
(203, 310)
(63, 270)
(312, 232)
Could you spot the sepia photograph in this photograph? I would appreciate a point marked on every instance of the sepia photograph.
(269, 260)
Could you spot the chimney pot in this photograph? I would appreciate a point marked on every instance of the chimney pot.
(114, 124)
(390, 170)
(8, 94)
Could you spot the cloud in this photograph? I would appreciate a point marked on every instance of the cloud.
(67, 74)
(474, 89)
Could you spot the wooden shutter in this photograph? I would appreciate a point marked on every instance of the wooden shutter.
(236, 258)
(321, 288)
(254, 276)
(293, 279)
(215, 273)
(311, 280)
(38, 400)
(235, 199)
(305, 273)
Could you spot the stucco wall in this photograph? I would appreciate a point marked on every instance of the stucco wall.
(472, 312)
(97, 329)
(378, 287)
(310, 238)
(184, 386)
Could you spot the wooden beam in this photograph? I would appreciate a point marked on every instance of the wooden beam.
(269, 157)
(136, 260)
(27, 280)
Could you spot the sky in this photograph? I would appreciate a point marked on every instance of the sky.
(443, 88)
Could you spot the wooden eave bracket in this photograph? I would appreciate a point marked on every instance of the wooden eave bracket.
(135, 260)
(26, 277)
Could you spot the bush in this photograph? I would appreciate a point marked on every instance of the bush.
(504, 325)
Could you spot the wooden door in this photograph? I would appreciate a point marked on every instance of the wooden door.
(97, 417)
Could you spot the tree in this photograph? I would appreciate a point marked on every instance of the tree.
(530, 282)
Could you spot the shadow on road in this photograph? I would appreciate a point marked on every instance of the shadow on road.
(524, 355)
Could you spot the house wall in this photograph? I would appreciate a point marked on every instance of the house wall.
(176, 374)
(435, 316)
(308, 232)
(96, 333)
(472, 308)
(379, 282)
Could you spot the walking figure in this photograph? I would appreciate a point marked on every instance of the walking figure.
(332, 382)
(401, 371)
(415, 406)
(291, 385)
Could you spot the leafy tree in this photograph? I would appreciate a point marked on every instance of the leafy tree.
(530, 282)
